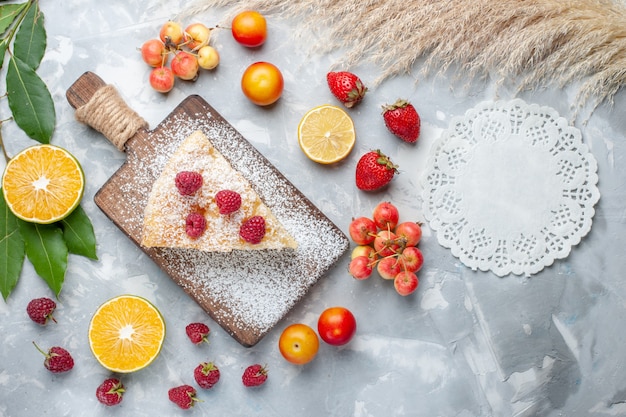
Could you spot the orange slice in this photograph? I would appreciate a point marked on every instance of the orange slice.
(43, 184)
(126, 333)
(326, 134)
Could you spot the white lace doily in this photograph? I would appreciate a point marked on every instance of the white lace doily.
(510, 187)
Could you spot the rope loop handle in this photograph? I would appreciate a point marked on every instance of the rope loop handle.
(109, 114)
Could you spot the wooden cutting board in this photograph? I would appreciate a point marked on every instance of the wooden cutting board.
(246, 292)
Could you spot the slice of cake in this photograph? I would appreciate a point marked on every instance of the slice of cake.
(182, 211)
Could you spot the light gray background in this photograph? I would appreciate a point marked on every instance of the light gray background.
(465, 344)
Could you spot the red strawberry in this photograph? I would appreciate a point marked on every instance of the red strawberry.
(374, 170)
(110, 392)
(40, 310)
(228, 201)
(57, 359)
(253, 229)
(197, 332)
(254, 375)
(206, 375)
(188, 182)
(183, 396)
(347, 87)
(402, 120)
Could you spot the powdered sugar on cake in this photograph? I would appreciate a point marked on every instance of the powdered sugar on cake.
(166, 211)
(247, 291)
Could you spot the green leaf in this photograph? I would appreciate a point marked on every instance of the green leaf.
(47, 251)
(78, 234)
(30, 101)
(30, 39)
(12, 250)
(8, 13)
(4, 43)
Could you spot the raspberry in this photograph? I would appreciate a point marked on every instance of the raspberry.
(195, 225)
(206, 375)
(40, 310)
(254, 375)
(197, 332)
(183, 396)
(57, 359)
(253, 229)
(228, 201)
(110, 392)
(188, 182)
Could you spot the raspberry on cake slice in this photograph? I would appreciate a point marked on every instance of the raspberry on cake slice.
(188, 182)
(226, 211)
(228, 201)
(253, 230)
(195, 225)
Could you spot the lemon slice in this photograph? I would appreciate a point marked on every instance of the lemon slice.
(326, 134)
(43, 184)
(126, 333)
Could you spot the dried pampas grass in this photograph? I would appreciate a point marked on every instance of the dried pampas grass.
(531, 43)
